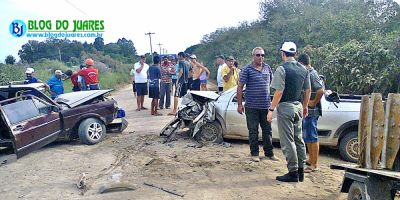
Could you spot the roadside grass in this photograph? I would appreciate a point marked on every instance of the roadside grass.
(44, 69)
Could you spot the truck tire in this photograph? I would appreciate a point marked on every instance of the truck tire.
(91, 131)
(348, 147)
(211, 132)
(356, 191)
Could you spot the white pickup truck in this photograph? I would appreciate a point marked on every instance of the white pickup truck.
(337, 127)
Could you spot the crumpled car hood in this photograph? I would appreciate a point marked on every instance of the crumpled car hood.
(74, 99)
(208, 94)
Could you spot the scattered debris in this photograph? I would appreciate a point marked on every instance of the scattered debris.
(165, 190)
(151, 161)
(170, 145)
(81, 184)
(234, 155)
(191, 145)
(194, 145)
(173, 156)
(116, 177)
(226, 144)
(116, 187)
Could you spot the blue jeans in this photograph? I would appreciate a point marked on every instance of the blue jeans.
(94, 87)
(165, 91)
(310, 133)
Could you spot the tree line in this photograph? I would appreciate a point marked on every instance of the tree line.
(354, 43)
(71, 52)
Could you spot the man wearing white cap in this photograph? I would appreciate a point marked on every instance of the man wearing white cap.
(56, 84)
(290, 81)
(29, 76)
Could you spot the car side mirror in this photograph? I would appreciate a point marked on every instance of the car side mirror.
(332, 96)
(54, 109)
(48, 109)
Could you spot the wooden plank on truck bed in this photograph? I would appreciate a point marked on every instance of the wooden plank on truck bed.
(357, 169)
(392, 131)
(363, 126)
(377, 128)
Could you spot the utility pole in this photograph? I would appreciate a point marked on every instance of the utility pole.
(160, 47)
(59, 53)
(151, 47)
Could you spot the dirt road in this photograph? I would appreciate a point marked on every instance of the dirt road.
(138, 156)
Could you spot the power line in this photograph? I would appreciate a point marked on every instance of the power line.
(73, 5)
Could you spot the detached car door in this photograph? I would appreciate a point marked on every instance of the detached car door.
(33, 122)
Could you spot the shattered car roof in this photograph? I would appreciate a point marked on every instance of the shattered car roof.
(74, 99)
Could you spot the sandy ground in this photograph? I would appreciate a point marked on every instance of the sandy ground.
(138, 156)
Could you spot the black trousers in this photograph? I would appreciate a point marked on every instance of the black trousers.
(255, 118)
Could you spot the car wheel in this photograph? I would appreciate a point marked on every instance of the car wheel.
(211, 132)
(91, 131)
(356, 191)
(348, 147)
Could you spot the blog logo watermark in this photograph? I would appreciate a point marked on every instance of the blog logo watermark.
(57, 28)
(18, 28)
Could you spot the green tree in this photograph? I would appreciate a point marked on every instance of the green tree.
(99, 44)
(346, 39)
(10, 60)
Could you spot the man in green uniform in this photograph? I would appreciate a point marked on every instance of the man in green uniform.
(290, 81)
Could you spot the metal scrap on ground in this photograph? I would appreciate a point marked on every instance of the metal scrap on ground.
(163, 189)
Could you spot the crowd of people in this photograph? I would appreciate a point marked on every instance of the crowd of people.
(298, 90)
(86, 78)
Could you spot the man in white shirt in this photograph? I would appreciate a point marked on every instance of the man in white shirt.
(221, 64)
(141, 69)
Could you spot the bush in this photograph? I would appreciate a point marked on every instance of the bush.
(10, 73)
(359, 67)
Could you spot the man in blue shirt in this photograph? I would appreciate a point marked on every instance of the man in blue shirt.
(257, 77)
(56, 84)
(154, 84)
(29, 76)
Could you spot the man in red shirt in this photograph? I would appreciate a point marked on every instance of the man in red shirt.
(73, 75)
(90, 75)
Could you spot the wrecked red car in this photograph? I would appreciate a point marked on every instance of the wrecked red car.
(31, 120)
